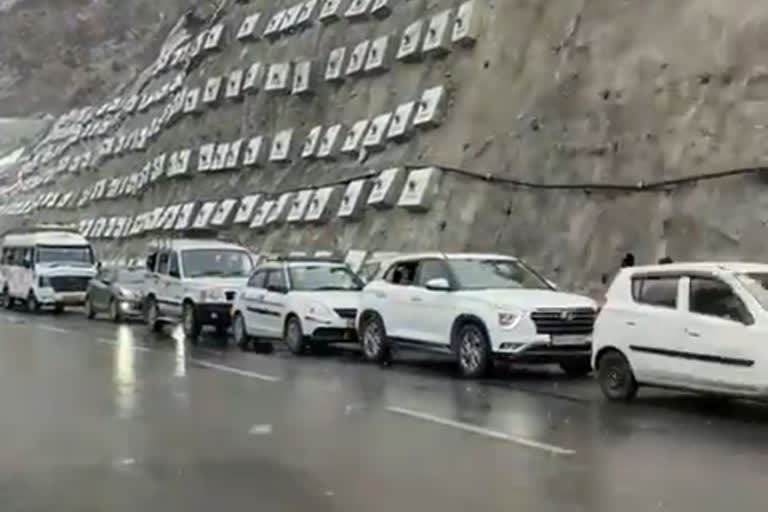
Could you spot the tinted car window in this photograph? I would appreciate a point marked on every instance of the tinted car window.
(713, 297)
(431, 269)
(402, 273)
(656, 291)
(162, 263)
(275, 278)
(257, 279)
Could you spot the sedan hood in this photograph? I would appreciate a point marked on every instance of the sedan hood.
(530, 299)
(333, 299)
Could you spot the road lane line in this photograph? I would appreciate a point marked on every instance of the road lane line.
(530, 443)
(235, 371)
(52, 328)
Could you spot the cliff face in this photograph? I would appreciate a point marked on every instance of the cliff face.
(585, 92)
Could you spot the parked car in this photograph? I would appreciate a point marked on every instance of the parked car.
(478, 308)
(373, 266)
(116, 291)
(692, 326)
(306, 302)
(45, 266)
(194, 281)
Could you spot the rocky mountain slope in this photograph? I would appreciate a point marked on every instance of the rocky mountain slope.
(568, 133)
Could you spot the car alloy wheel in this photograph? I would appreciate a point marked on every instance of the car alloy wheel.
(151, 315)
(372, 340)
(32, 305)
(114, 311)
(473, 351)
(616, 378)
(239, 333)
(294, 338)
(189, 322)
(7, 300)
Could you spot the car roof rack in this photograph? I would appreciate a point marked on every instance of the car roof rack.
(308, 259)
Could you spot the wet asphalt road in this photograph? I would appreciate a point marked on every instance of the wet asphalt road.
(98, 417)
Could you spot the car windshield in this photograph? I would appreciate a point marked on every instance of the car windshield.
(323, 277)
(216, 263)
(757, 284)
(79, 255)
(484, 274)
(130, 276)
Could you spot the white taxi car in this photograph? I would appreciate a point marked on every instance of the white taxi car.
(303, 301)
(695, 326)
(476, 307)
(195, 281)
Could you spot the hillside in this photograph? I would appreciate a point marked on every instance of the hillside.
(552, 128)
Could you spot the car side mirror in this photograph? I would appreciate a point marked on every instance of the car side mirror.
(439, 284)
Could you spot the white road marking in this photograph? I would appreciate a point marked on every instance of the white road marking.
(530, 443)
(52, 328)
(261, 430)
(235, 371)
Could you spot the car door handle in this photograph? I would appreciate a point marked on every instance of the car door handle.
(380, 295)
(416, 299)
(693, 334)
(631, 323)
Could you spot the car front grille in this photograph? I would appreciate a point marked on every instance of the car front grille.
(230, 295)
(564, 321)
(69, 283)
(349, 313)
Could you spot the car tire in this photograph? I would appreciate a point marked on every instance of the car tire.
(152, 315)
(90, 312)
(473, 350)
(190, 322)
(293, 336)
(373, 339)
(114, 311)
(33, 306)
(7, 299)
(577, 367)
(58, 309)
(240, 332)
(616, 378)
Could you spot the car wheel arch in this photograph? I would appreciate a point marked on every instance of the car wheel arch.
(607, 350)
(463, 319)
(367, 314)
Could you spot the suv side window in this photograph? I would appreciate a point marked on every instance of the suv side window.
(712, 297)
(151, 261)
(656, 290)
(162, 263)
(275, 279)
(257, 279)
(431, 269)
(173, 266)
(402, 273)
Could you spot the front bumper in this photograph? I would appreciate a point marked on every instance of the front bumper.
(330, 330)
(130, 307)
(214, 314)
(62, 298)
(546, 349)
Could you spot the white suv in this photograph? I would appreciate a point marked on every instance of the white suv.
(305, 302)
(195, 281)
(696, 326)
(477, 307)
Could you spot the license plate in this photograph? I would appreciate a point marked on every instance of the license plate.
(571, 339)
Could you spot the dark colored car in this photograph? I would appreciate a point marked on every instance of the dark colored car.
(117, 292)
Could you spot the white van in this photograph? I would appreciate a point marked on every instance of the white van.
(45, 266)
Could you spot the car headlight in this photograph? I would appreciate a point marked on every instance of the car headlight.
(44, 282)
(319, 310)
(508, 319)
(125, 293)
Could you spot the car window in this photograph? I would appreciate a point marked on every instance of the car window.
(151, 261)
(275, 278)
(162, 263)
(402, 273)
(431, 269)
(713, 297)
(656, 290)
(173, 266)
(257, 279)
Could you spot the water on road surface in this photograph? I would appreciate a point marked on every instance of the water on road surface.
(99, 417)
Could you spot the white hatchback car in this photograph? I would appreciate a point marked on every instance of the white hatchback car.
(306, 302)
(476, 307)
(695, 326)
